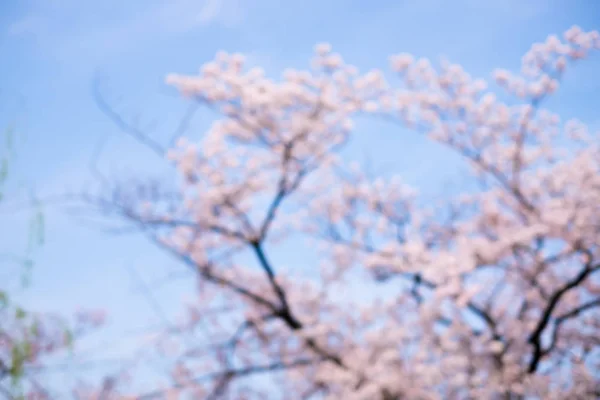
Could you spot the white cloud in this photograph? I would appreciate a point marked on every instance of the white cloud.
(182, 15)
(68, 27)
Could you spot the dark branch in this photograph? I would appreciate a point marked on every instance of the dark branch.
(560, 320)
(535, 339)
(126, 127)
(238, 373)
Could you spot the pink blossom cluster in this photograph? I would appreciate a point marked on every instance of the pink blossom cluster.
(491, 294)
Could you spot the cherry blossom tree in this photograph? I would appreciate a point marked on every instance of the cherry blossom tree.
(490, 294)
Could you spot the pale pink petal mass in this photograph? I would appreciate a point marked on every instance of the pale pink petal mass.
(491, 294)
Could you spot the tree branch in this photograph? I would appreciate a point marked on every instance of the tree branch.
(536, 337)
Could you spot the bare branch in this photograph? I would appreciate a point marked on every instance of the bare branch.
(126, 127)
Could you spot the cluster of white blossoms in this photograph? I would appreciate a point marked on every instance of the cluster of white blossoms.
(494, 294)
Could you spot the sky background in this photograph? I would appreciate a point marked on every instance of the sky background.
(53, 50)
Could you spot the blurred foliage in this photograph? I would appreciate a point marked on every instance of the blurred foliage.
(18, 329)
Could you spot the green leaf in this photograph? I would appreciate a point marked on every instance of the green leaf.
(26, 274)
(18, 361)
(40, 227)
(68, 338)
(3, 299)
(20, 313)
(3, 170)
(27, 350)
(34, 328)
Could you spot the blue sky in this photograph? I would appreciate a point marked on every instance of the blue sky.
(52, 50)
